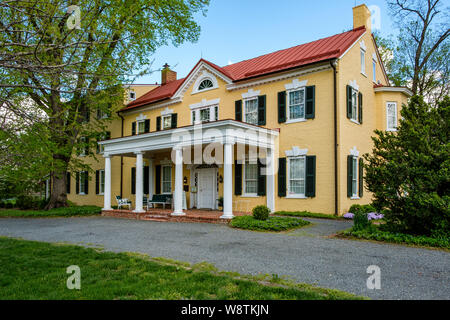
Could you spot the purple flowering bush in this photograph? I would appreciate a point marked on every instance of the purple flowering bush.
(374, 216)
(349, 215)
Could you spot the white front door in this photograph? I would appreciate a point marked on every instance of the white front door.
(206, 189)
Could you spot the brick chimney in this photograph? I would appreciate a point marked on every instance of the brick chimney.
(167, 75)
(361, 17)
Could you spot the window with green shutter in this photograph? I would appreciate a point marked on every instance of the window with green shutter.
(237, 178)
(282, 107)
(282, 177)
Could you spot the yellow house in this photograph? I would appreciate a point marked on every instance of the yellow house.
(286, 129)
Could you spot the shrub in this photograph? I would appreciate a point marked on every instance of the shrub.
(261, 212)
(361, 221)
(9, 205)
(25, 202)
(271, 224)
(2, 204)
(365, 208)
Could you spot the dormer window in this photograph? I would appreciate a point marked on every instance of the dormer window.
(205, 84)
(132, 95)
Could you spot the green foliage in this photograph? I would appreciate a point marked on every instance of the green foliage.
(376, 233)
(360, 221)
(59, 212)
(30, 270)
(364, 208)
(408, 171)
(261, 212)
(306, 214)
(271, 224)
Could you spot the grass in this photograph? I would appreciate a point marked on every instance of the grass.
(59, 212)
(271, 224)
(36, 270)
(307, 214)
(374, 233)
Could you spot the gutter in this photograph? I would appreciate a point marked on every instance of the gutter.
(333, 64)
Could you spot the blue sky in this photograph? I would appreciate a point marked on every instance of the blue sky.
(236, 30)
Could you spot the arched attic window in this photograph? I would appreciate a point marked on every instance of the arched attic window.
(205, 84)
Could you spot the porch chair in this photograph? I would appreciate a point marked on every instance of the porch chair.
(123, 202)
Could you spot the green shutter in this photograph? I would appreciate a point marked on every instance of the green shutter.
(262, 110)
(158, 123)
(97, 181)
(68, 182)
(261, 179)
(147, 126)
(133, 180)
(310, 176)
(360, 107)
(174, 120)
(310, 102)
(349, 102)
(237, 178)
(282, 177)
(349, 176)
(238, 110)
(158, 179)
(361, 177)
(282, 107)
(86, 182)
(133, 128)
(77, 180)
(146, 180)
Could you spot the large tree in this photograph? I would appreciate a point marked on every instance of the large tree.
(408, 171)
(419, 56)
(71, 58)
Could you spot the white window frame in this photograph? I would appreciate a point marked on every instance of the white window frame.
(101, 182)
(244, 180)
(374, 70)
(244, 109)
(166, 180)
(213, 114)
(138, 125)
(163, 126)
(395, 115)
(204, 89)
(355, 177)
(290, 194)
(83, 150)
(355, 108)
(81, 183)
(363, 61)
(132, 95)
(288, 110)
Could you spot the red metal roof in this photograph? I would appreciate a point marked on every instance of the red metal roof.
(312, 52)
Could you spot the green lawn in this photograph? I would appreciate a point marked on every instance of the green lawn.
(271, 224)
(59, 212)
(35, 270)
(307, 214)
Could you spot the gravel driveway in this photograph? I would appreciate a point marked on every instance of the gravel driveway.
(307, 254)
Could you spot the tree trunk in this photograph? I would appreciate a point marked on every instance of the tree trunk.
(58, 195)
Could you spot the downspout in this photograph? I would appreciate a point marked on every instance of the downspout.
(121, 158)
(333, 64)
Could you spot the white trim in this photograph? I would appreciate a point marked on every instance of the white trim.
(205, 75)
(162, 180)
(362, 57)
(244, 102)
(204, 103)
(166, 111)
(295, 84)
(354, 152)
(387, 116)
(141, 117)
(251, 94)
(362, 45)
(253, 83)
(374, 57)
(353, 84)
(355, 195)
(295, 152)
(288, 180)
(288, 105)
(140, 109)
(254, 162)
(100, 182)
(296, 196)
(357, 40)
(295, 120)
(405, 91)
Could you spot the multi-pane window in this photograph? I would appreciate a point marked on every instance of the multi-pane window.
(166, 180)
(204, 115)
(296, 168)
(354, 105)
(167, 122)
(297, 104)
(141, 126)
(82, 182)
(251, 111)
(101, 184)
(363, 62)
(205, 84)
(251, 178)
(207, 114)
(354, 176)
(374, 70)
(391, 116)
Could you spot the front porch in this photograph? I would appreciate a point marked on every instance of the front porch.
(165, 215)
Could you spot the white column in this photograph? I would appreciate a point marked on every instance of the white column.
(228, 181)
(107, 193)
(178, 192)
(139, 182)
(270, 178)
(150, 179)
